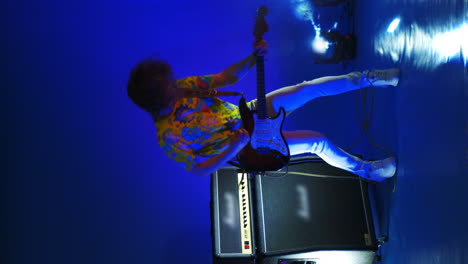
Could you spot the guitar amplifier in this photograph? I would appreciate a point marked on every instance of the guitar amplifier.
(309, 212)
(231, 217)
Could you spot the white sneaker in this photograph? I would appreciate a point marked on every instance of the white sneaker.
(388, 77)
(378, 170)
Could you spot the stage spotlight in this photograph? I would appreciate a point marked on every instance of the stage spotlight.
(394, 25)
(332, 47)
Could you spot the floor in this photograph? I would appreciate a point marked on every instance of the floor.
(422, 211)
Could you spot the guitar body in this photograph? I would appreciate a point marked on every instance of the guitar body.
(267, 149)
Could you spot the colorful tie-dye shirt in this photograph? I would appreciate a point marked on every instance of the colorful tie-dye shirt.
(197, 128)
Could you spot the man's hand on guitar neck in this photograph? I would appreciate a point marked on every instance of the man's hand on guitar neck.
(260, 48)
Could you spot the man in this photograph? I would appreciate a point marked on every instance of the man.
(205, 132)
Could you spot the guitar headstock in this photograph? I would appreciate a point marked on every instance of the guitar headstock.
(260, 23)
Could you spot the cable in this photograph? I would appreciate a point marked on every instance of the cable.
(365, 120)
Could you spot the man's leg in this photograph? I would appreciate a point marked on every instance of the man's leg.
(306, 141)
(295, 96)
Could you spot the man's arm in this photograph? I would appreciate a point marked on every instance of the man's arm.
(238, 70)
(238, 141)
(233, 73)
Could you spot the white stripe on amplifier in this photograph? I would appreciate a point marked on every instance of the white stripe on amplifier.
(244, 209)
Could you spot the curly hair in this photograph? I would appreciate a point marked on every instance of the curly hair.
(147, 85)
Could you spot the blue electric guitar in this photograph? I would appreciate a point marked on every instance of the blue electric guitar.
(267, 149)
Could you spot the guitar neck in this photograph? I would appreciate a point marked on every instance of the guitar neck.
(261, 98)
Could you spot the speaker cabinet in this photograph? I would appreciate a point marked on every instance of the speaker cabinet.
(313, 207)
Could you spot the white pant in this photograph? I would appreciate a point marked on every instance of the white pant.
(306, 141)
